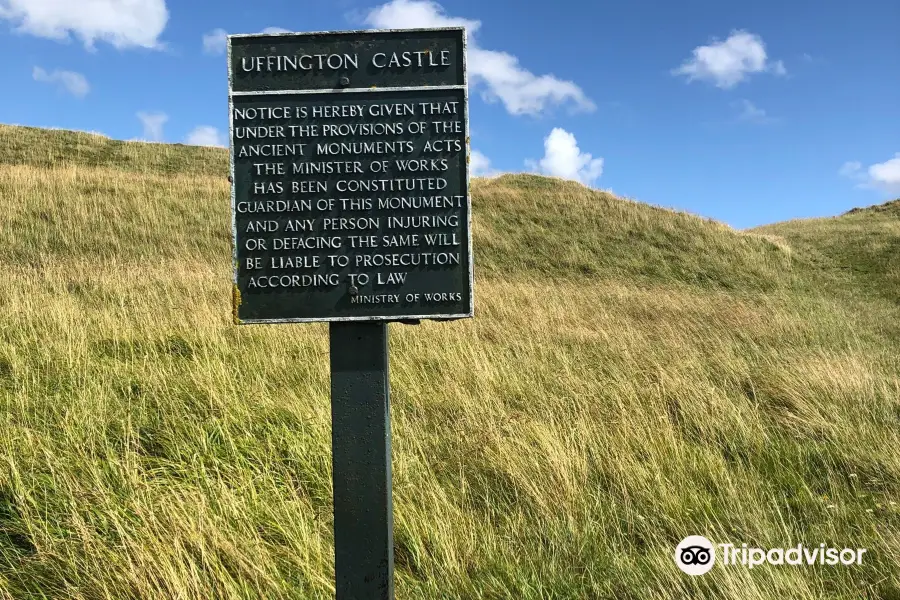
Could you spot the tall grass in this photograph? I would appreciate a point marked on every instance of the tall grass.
(633, 375)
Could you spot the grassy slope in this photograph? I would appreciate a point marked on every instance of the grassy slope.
(861, 246)
(633, 375)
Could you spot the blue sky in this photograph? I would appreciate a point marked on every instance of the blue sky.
(749, 113)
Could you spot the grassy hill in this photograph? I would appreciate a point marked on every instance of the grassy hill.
(860, 248)
(633, 375)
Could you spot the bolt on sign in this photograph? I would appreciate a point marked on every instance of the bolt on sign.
(350, 178)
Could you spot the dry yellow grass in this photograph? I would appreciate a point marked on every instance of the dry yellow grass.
(632, 376)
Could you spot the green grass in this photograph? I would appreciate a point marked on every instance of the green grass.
(860, 249)
(633, 375)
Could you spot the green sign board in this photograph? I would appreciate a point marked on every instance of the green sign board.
(350, 179)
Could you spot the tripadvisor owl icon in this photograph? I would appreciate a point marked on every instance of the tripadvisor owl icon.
(695, 555)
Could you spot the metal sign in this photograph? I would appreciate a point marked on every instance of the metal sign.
(350, 179)
(350, 204)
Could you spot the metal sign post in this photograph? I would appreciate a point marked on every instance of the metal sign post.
(361, 457)
(350, 205)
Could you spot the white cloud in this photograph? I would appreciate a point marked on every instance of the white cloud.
(850, 169)
(409, 14)
(153, 125)
(727, 63)
(522, 92)
(121, 23)
(504, 79)
(563, 158)
(216, 40)
(204, 135)
(72, 82)
(480, 165)
(752, 113)
(884, 177)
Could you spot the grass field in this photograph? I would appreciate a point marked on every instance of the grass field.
(633, 375)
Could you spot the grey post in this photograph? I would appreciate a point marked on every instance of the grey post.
(361, 460)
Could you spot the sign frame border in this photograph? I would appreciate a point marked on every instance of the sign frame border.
(236, 294)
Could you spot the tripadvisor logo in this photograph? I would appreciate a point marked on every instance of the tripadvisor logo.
(695, 555)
